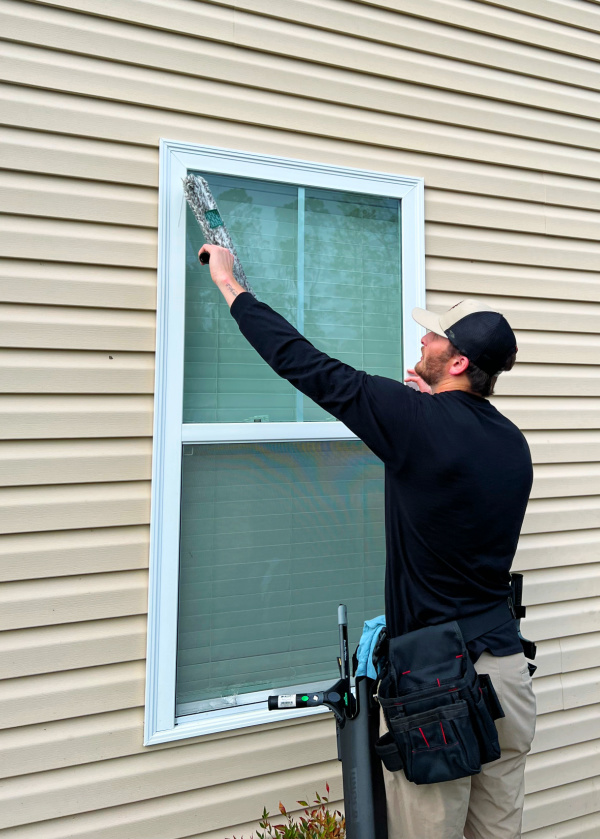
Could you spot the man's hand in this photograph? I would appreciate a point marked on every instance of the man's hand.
(221, 271)
(414, 377)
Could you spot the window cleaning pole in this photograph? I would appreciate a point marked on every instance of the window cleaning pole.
(357, 728)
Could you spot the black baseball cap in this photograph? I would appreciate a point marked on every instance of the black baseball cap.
(477, 331)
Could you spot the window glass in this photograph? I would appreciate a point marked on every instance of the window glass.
(352, 292)
(273, 537)
(328, 261)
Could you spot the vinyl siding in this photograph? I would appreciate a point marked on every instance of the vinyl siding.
(496, 106)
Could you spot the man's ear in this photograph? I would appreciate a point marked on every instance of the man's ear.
(459, 365)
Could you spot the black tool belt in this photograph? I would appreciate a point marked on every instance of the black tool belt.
(440, 713)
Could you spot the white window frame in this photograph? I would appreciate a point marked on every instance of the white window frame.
(170, 433)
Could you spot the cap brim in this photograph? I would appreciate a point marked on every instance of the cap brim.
(429, 320)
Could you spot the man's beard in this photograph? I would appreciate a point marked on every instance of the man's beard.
(432, 370)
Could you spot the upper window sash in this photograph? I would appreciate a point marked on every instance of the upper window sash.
(176, 159)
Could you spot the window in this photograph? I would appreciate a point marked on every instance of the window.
(266, 512)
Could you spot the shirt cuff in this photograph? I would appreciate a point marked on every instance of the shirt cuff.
(240, 304)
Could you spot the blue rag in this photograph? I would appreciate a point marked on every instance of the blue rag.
(366, 645)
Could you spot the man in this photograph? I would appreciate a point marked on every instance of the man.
(458, 476)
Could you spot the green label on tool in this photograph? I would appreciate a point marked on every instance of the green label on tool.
(214, 219)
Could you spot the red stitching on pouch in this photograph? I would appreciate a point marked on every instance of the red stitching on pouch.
(435, 748)
(424, 738)
(443, 734)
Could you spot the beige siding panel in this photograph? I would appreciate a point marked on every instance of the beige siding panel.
(32, 509)
(555, 585)
(564, 655)
(571, 13)
(568, 690)
(73, 693)
(58, 154)
(566, 192)
(135, 85)
(61, 112)
(557, 514)
(56, 371)
(350, 85)
(74, 461)
(429, 70)
(63, 284)
(135, 778)
(60, 241)
(77, 157)
(548, 413)
(486, 279)
(499, 22)
(548, 658)
(562, 766)
(28, 652)
(549, 550)
(564, 446)
(181, 814)
(184, 768)
(549, 380)
(562, 480)
(100, 737)
(24, 417)
(527, 313)
(74, 157)
(564, 728)
(31, 556)
(539, 412)
(70, 198)
(54, 745)
(568, 617)
(370, 22)
(556, 348)
(586, 827)
(55, 327)
(501, 246)
(552, 806)
(71, 599)
(504, 214)
(579, 652)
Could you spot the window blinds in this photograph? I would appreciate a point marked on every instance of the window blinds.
(273, 537)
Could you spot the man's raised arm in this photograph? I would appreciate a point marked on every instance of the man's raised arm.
(373, 407)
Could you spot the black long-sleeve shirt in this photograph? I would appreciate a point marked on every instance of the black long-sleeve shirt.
(457, 479)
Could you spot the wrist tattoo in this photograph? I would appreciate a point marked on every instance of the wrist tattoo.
(230, 288)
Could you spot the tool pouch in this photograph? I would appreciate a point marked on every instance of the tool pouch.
(440, 713)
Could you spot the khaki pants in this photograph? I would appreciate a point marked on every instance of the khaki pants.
(484, 806)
